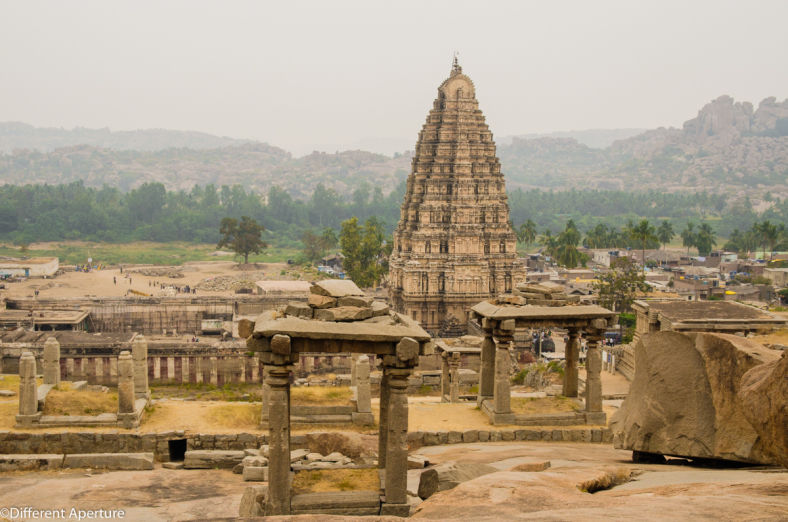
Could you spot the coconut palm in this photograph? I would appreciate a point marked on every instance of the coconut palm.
(665, 234)
(689, 236)
(643, 233)
(706, 239)
(527, 232)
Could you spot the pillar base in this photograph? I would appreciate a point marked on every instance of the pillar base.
(395, 510)
(25, 421)
(363, 419)
(596, 417)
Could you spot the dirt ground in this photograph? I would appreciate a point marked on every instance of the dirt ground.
(111, 282)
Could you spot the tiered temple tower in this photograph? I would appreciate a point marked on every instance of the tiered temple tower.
(453, 246)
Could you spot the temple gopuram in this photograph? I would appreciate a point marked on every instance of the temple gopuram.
(453, 246)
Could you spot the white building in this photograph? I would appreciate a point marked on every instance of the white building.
(33, 267)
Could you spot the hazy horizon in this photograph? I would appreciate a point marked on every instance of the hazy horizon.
(332, 76)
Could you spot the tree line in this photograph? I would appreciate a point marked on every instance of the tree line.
(73, 211)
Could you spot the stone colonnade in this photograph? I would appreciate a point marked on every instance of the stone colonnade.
(278, 362)
(496, 365)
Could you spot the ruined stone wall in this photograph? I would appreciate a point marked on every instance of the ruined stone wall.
(153, 315)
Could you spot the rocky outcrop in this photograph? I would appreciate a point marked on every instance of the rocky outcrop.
(764, 396)
(684, 399)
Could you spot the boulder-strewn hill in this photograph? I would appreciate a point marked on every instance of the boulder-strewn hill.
(254, 165)
(729, 147)
(16, 135)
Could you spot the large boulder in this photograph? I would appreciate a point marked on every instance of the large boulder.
(684, 398)
(764, 395)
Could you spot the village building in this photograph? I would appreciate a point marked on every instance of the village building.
(453, 246)
(33, 267)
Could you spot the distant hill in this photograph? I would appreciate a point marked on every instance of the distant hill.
(15, 135)
(594, 138)
(728, 147)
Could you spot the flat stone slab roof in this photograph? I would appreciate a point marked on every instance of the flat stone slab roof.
(346, 331)
(533, 312)
(707, 311)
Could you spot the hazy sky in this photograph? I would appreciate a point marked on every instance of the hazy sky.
(332, 75)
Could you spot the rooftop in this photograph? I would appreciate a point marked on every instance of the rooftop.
(705, 310)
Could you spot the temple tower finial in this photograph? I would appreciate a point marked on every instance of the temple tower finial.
(455, 68)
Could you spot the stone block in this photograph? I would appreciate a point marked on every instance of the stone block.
(28, 462)
(529, 467)
(298, 454)
(484, 436)
(507, 435)
(254, 460)
(347, 503)
(298, 309)
(470, 436)
(110, 461)
(380, 309)
(417, 462)
(321, 301)
(355, 300)
(255, 473)
(449, 475)
(557, 435)
(395, 510)
(335, 288)
(172, 465)
(253, 502)
(210, 459)
(431, 438)
(596, 435)
(454, 437)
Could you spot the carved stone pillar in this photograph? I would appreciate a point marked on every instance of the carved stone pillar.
(571, 355)
(278, 398)
(51, 361)
(397, 442)
(445, 377)
(353, 370)
(266, 389)
(487, 369)
(139, 354)
(454, 373)
(125, 383)
(28, 388)
(502, 391)
(363, 413)
(593, 374)
(385, 393)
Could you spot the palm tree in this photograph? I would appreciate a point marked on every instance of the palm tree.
(566, 252)
(644, 233)
(706, 239)
(689, 237)
(527, 232)
(548, 242)
(665, 234)
(769, 235)
(597, 237)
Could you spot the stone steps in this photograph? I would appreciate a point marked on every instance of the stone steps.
(105, 461)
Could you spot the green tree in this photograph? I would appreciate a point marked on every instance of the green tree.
(566, 252)
(688, 236)
(619, 286)
(527, 232)
(242, 237)
(665, 233)
(643, 233)
(364, 251)
(769, 235)
(706, 239)
(315, 246)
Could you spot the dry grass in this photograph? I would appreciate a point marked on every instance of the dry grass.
(235, 415)
(8, 411)
(366, 479)
(777, 337)
(69, 402)
(324, 395)
(606, 480)
(536, 405)
(11, 382)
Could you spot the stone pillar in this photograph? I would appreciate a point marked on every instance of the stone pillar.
(502, 392)
(52, 362)
(266, 389)
(385, 393)
(454, 374)
(139, 354)
(28, 388)
(353, 370)
(570, 370)
(445, 378)
(363, 413)
(487, 369)
(397, 444)
(125, 383)
(278, 398)
(593, 374)
(309, 364)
